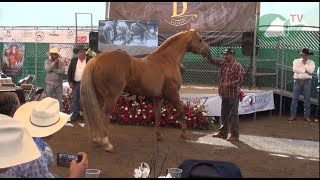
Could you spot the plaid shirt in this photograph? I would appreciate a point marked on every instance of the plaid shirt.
(232, 73)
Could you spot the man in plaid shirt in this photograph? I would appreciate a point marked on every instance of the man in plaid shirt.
(229, 90)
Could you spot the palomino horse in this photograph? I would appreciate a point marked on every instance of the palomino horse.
(157, 75)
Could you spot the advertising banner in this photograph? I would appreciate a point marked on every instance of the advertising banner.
(43, 36)
(13, 58)
(252, 102)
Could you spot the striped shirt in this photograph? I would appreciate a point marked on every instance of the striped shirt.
(232, 73)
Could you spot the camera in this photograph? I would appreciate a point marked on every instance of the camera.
(64, 159)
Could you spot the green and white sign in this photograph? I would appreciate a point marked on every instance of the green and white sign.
(289, 16)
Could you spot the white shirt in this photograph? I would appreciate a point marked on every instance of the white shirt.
(318, 74)
(79, 69)
(299, 69)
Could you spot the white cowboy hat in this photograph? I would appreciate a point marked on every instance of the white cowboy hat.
(42, 118)
(53, 50)
(17, 145)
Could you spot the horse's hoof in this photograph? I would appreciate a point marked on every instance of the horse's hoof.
(183, 136)
(159, 138)
(97, 140)
(109, 149)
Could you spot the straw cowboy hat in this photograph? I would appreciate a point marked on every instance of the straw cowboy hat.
(42, 118)
(17, 145)
(305, 51)
(79, 48)
(53, 50)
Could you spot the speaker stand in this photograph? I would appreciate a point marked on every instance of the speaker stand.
(247, 76)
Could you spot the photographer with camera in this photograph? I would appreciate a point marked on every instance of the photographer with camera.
(40, 124)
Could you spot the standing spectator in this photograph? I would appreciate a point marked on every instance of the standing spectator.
(55, 69)
(229, 90)
(75, 71)
(303, 69)
(318, 110)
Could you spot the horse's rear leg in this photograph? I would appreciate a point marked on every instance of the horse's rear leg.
(97, 139)
(157, 102)
(109, 104)
(175, 100)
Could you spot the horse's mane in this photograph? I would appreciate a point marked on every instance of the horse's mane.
(169, 41)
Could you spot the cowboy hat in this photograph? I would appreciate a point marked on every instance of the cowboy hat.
(17, 145)
(79, 48)
(53, 50)
(229, 51)
(305, 51)
(42, 118)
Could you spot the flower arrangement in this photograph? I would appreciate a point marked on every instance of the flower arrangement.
(143, 171)
(140, 112)
(130, 112)
(66, 100)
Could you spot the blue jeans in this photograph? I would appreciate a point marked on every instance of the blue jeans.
(55, 89)
(75, 106)
(229, 112)
(299, 87)
(318, 110)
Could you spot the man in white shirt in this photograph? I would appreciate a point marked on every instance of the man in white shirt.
(303, 69)
(75, 71)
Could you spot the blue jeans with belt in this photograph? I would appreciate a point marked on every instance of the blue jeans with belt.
(75, 106)
(299, 87)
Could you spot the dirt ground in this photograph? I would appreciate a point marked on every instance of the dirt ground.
(135, 144)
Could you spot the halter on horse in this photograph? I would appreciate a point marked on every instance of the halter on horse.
(157, 75)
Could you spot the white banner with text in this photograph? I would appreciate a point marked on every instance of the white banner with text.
(252, 102)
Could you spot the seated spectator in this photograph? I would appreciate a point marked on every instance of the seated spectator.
(9, 103)
(39, 167)
(17, 146)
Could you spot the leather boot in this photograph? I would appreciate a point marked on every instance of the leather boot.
(220, 134)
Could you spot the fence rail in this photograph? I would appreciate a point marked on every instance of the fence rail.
(273, 61)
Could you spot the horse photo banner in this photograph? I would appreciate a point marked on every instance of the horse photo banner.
(178, 16)
(13, 58)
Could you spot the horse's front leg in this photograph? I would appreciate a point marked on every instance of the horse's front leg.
(174, 98)
(157, 102)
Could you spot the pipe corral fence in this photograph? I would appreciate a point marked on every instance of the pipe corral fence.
(272, 62)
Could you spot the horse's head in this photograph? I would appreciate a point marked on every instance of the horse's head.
(197, 45)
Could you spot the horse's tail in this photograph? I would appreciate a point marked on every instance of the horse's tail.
(93, 114)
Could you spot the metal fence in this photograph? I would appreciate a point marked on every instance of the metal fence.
(273, 62)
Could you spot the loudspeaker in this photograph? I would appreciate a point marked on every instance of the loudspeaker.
(93, 40)
(247, 43)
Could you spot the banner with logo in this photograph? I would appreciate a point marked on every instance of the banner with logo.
(44, 36)
(13, 58)
(178, 16)
(252, 102)
(289, 16)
